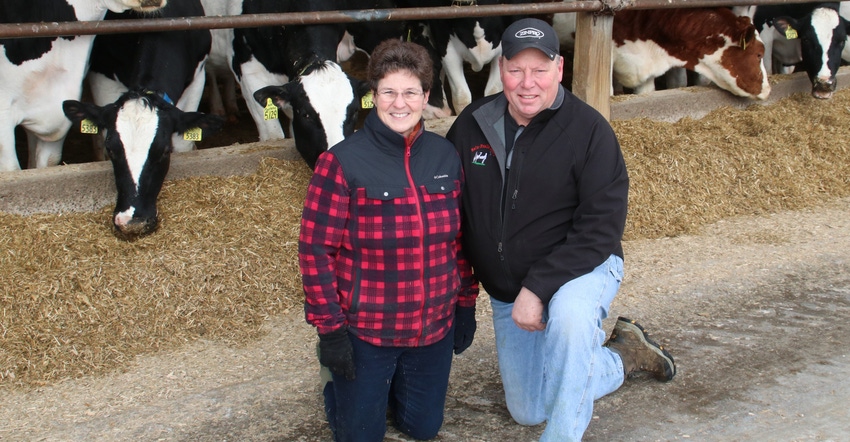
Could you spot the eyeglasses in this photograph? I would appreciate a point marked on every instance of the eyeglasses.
(389, 95)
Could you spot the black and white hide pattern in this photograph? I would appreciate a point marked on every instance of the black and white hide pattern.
(171, 64)
(37, 74)
(822, 33)
(321, 100)
(138, 131)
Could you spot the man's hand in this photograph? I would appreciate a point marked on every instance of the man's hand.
(528, 311)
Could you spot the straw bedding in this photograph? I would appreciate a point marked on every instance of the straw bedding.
(78, 301)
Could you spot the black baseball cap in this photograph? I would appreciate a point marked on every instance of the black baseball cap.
(530, 33)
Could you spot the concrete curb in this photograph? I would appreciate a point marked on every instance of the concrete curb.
(90, 186)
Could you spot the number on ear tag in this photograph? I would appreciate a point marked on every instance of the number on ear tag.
(88, 127)
(790, 33)
(366, 101)
(193, 134)
(270, 111)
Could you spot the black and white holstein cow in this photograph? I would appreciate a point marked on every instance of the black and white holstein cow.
(171, 64)
(713, 42)
(295, 67)
(473, 40)
(220, 81)
(164, 73)
(37, 74)
(820, 33)
(139, 127)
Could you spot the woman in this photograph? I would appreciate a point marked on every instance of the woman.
(386, 285)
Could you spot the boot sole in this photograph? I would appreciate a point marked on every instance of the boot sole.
(669, 364)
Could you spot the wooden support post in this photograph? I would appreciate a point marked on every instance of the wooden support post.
(592, 61)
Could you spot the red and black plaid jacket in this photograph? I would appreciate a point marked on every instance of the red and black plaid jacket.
(379, 247)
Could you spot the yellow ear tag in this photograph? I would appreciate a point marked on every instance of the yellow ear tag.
(88, 127)
(193, 134)
(790, 33)
(270, 111)
(366, 101)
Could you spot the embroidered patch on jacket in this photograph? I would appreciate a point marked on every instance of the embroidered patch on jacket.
(480, 157)
(480, 153)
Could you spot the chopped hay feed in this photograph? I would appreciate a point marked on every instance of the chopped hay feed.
(77, 301)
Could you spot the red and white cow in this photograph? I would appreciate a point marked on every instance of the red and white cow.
(713, 42)
(321, 100)
(37, 74)
(780, 53)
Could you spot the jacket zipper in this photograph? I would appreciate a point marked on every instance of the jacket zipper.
(412, 184)
(513, 177)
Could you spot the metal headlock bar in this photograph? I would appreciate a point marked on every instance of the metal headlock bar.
(20, 30)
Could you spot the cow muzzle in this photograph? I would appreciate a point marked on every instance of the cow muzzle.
(134, 228)
(150, 5)
(824, 88)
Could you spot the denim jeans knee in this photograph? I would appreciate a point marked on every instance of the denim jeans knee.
(555, 375)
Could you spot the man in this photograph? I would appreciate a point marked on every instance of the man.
(544, 212)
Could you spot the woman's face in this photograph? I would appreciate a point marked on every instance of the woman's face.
(400, 100)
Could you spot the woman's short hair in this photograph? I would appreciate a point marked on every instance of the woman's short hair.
(396, 55)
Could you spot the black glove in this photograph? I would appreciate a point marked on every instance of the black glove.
(336, 353)
(464, 328)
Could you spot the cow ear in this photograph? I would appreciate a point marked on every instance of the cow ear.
(786, 26)
(748, 37)
(207, 123)
(361, 88)
(278, 94)
(745, 31)
(77, 111)
(363, 93)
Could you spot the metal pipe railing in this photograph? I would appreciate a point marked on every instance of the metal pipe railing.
(54, 29)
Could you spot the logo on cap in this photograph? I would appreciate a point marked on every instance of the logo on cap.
(529, 33)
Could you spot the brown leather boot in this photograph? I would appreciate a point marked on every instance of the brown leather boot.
(639, 353)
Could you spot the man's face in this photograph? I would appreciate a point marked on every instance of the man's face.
(530, 80)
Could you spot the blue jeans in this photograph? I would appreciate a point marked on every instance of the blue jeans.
(555, 375)
(412, 381)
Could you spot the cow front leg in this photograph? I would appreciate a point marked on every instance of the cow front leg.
(461, 95)
(8, 154)
(43, 153)
(494, 81)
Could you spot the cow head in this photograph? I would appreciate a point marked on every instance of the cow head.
(822, 34)
(739, 67)
(324, 103)
(138, 141)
